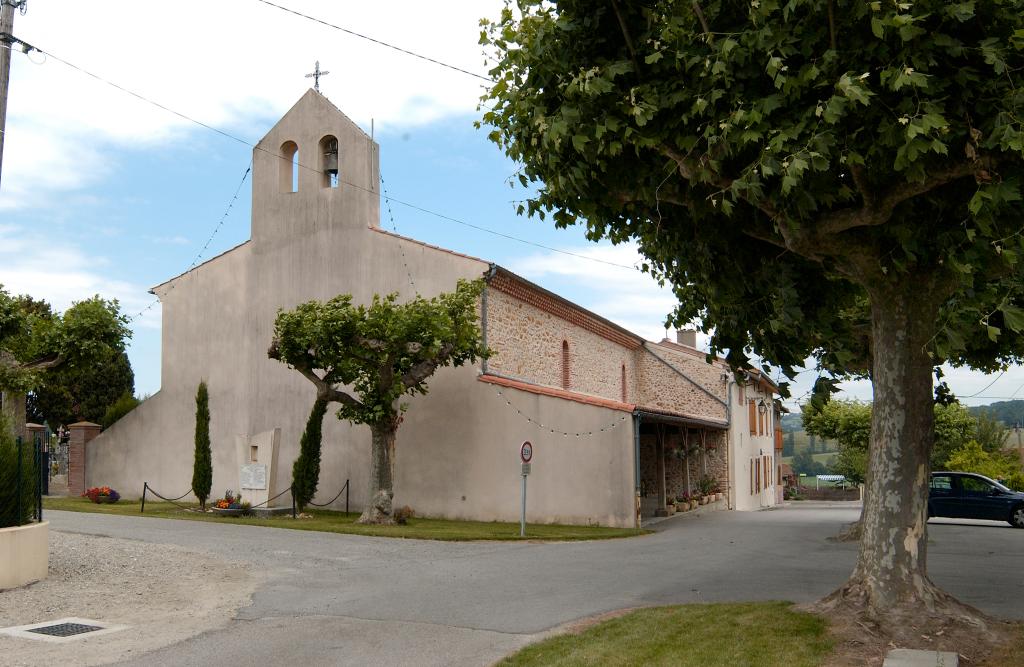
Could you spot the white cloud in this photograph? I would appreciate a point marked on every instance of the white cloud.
(62, 274)
(236, 65)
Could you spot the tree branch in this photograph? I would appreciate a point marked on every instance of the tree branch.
(700, 16)
(425, 369)
(625, 35)
(878, 213)
(324, 390)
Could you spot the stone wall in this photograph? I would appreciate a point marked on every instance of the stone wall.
(713, 462)
(662, 387)
(528, 342)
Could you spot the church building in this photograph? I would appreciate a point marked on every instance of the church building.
(619, 425)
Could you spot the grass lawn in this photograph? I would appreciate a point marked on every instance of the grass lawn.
(339, 522)
(746, 634)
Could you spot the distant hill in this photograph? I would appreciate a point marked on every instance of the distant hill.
(792, 422)
(1008, 412)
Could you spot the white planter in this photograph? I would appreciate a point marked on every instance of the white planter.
(24, 554)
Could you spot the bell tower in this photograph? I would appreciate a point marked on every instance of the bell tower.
(316, 169)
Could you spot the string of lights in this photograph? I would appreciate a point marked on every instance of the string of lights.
(555, 431)
(375, 41)
(206, 246)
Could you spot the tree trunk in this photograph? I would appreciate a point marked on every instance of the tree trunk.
(13, 406)
(890, 578)
(382, 472)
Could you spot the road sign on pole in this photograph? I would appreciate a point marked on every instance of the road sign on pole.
(525, 455)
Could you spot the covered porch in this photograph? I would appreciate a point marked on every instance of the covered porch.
(678, 458)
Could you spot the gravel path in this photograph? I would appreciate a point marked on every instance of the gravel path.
(164, 594)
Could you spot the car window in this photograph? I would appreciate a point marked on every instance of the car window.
(973, 486)
(942, 485)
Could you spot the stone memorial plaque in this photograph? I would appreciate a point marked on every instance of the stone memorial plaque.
(253, 476)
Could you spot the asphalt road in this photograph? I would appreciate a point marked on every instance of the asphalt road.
(344, 599)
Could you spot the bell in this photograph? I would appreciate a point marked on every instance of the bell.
(331, 158)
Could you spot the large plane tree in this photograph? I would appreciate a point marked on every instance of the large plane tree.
(367, 357)
(837, 179)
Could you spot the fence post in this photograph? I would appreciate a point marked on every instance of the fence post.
(293, 504)
(18, 483)
(38, 449)
(145, 487)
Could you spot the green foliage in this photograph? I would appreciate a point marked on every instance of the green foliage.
(82, 352)
(382, 351)
(119, 408)
(849, 422)
(202, 464)
(789, 444)
(776, 171)
(1009, 413)
(306, 469)
(804, 464)
(971, 457)
(10, 485)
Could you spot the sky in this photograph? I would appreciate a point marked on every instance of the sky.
(104, 193)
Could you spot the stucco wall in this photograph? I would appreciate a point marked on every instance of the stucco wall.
(744, 447)
(528, 342)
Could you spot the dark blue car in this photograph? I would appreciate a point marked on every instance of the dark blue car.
(967, 495)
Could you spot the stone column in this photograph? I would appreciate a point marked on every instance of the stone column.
(82, 434)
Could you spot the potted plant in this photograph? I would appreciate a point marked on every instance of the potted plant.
(231, 505)
(682, 503)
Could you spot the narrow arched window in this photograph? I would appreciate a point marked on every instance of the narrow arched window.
(289, 167)
(329, 161)
(623, 380)
(565, 364)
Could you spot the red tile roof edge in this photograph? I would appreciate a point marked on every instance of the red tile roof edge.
(557, 393)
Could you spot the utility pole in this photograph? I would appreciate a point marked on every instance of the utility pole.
(7, 8)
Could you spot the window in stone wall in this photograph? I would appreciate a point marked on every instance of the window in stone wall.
(565, 364)
(624, 394)
(752, 416)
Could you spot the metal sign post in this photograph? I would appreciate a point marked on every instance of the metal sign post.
(525, 455)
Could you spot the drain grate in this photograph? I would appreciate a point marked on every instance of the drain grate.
(65, 629)
(61, 630)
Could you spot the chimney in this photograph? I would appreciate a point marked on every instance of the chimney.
(687, 337)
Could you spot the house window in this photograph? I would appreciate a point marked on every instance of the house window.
(289, 167)
(565, 364)
(752, 416)
(624, 394)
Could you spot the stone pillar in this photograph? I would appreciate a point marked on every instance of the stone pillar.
(82, 434)
(33, 431)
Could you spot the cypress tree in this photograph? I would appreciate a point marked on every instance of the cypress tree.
(202, 466)
(306, 469)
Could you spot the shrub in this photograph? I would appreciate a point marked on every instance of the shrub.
(119, 408)
(15, 511)
(403, 514)
(707, 485)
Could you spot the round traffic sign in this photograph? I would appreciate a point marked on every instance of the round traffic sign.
(526, 452)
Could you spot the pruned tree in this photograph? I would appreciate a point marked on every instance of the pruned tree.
(202, 460)
(367, 357)
(835, 179)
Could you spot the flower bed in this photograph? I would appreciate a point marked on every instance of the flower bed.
(102, 494)
(231, 505)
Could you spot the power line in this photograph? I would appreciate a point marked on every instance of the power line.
(376, 41)
(232, 137)
(199, 255)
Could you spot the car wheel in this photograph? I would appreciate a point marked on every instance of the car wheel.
(1017, 516)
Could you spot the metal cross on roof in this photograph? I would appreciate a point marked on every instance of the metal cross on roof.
(316, 76)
